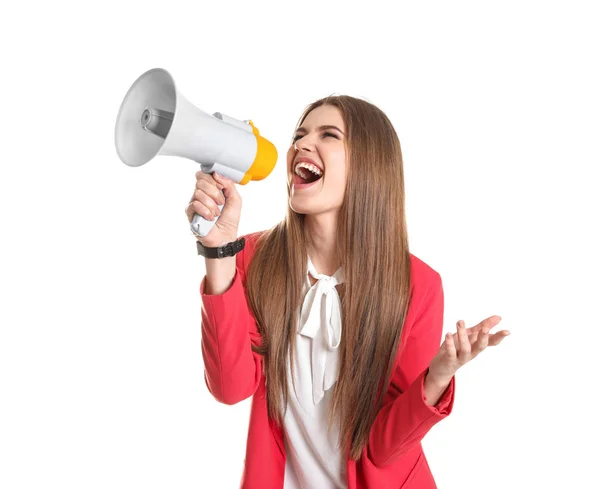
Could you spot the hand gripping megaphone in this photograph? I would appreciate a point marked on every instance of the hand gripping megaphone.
(155, 119)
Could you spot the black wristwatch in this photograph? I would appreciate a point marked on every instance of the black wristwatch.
(230, 249)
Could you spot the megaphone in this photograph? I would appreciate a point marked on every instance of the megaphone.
(155, 119)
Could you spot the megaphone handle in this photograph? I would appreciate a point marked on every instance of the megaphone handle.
(201, 225)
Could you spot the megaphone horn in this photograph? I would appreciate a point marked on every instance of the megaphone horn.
(156, 119)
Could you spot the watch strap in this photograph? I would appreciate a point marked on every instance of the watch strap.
(229, 249)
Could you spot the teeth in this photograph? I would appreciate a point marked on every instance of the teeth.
(309, 166)
(302, 174)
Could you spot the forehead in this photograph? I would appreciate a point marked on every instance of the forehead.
(322, 115)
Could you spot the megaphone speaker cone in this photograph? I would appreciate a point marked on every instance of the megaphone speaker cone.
(155, 89)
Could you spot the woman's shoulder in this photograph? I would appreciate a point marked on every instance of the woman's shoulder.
(245, 256)
(423, 276)
(426, 294)
(251, 240)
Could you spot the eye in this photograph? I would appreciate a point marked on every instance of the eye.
(325, 134)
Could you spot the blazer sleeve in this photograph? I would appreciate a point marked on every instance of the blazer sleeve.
(232, 370)
(403, 422)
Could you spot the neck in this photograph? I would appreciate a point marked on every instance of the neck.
(321, 242)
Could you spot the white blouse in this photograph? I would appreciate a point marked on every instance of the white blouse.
(314, 459)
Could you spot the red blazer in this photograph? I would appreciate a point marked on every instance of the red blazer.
(393, 457)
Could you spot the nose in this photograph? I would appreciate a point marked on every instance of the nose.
(304, 144)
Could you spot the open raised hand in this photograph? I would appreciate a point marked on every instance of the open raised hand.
(464, 345)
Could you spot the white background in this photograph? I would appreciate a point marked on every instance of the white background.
(497, 110)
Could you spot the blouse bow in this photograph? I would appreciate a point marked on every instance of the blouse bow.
(322, 321)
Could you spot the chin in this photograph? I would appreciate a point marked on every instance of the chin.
(307, 207)
(302, 208)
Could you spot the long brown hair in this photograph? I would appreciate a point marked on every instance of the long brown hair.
(373, 249)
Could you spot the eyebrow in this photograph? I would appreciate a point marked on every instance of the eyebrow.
(321, 128)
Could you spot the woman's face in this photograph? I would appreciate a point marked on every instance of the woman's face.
(321, 139)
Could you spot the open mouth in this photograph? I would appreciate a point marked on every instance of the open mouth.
(306, 173)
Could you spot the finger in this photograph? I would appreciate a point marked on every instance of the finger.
(472, 339)
(202, 210)
(189, 210)
(481, 343)
(487, 323)
(208, 190)
(449, 347)
(490, 322)
(208, 185)
(464, 349)
(472, 335)
(208, 203)
(496, 338)
(211, 190)
(209, 177)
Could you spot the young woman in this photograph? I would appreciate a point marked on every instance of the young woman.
(333, 295)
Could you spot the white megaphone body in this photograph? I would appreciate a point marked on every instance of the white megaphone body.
(155, 119)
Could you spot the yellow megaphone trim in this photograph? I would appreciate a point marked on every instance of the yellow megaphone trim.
(264, 162)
